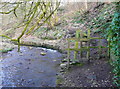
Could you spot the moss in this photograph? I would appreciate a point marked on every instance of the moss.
(59, 80)
(6, 50)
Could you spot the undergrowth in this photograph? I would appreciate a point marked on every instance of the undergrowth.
(113, 36)
(107, 22)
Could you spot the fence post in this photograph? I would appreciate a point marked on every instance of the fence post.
(68, 52)
(108, 49)
(88, 44)
(76, 45)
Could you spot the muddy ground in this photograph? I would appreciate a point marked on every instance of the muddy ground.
(96, 73)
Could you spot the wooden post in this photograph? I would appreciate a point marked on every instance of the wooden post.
(99, 47)
(108, 53)
(80, 38)
(68, 56)
(80, 46)
(81, 50)
(76, 45)
(88, 44)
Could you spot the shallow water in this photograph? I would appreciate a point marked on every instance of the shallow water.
(29, 68)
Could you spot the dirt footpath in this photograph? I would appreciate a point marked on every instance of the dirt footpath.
(96, 73)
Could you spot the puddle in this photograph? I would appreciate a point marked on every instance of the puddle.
(29, 68)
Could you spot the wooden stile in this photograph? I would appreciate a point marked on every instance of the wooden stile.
(78, 47)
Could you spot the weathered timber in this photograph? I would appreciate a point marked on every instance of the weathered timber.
(80, 38)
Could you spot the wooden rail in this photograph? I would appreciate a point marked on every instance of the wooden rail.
(78, 47)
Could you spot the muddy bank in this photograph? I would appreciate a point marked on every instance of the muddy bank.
(60, 44)
(6, 45)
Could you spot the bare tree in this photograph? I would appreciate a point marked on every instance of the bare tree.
(39, 13)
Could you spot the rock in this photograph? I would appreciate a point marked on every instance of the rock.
(20, 63)
(57, 74)
(54, 60)
(63, 65)
(28, 68)
(43, 53)
(30, 47)
(64, 60)
(29, 63)
(20, 54)
(22, 79)
(62, 71)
